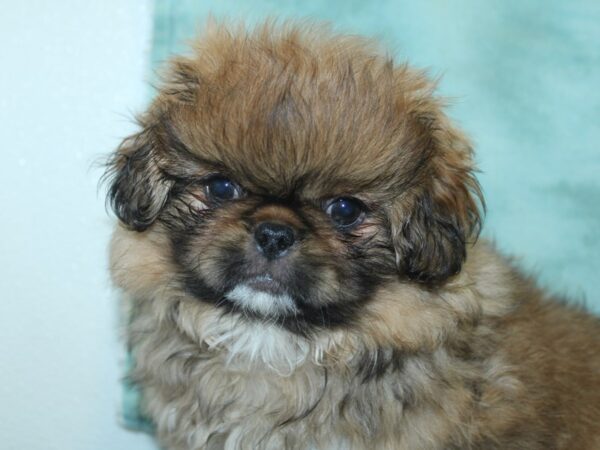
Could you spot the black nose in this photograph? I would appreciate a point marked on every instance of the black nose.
(273, 239)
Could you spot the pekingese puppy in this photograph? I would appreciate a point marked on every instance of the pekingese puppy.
(298, 242)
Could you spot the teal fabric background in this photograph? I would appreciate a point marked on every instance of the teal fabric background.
(524, 80)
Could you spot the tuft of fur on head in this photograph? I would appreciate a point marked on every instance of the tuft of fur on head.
(298, 241)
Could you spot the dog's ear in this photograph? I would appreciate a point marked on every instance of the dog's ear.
(138, 189)
(430, 232)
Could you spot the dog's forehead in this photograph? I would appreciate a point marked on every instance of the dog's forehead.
(316, 158)
(280, 119)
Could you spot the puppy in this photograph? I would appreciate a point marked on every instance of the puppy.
(297, 238)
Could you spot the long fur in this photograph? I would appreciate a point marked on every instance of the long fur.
(404, 332)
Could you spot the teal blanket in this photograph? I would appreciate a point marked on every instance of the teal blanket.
(524, 79)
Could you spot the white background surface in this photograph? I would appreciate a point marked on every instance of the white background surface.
(72, 75)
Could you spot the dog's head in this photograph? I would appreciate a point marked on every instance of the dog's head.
(295, 173)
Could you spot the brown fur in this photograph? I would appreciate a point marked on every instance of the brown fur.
(408, 334)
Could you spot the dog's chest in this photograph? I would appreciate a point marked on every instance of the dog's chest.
(259, 387)
(244, 384)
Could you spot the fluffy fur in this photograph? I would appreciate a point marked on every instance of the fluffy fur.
(400, 332)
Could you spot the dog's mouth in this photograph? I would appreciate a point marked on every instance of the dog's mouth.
(262, 294)
(266, 283)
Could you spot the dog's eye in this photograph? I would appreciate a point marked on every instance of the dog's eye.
(220, 189)
(346, 211)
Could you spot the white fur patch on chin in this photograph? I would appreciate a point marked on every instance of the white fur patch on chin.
(261, 302)
(256, 343)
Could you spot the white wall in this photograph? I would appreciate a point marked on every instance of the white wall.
(71, 75)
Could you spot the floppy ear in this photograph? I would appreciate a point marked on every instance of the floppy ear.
(431, 232)
(138, 189)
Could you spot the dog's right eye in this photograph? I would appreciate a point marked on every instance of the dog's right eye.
(346, 211)
(221, 189)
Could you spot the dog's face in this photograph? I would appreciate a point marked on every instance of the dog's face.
(295, 173)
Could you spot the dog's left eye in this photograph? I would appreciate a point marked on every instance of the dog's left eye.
(220, 189)
(346, 211)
